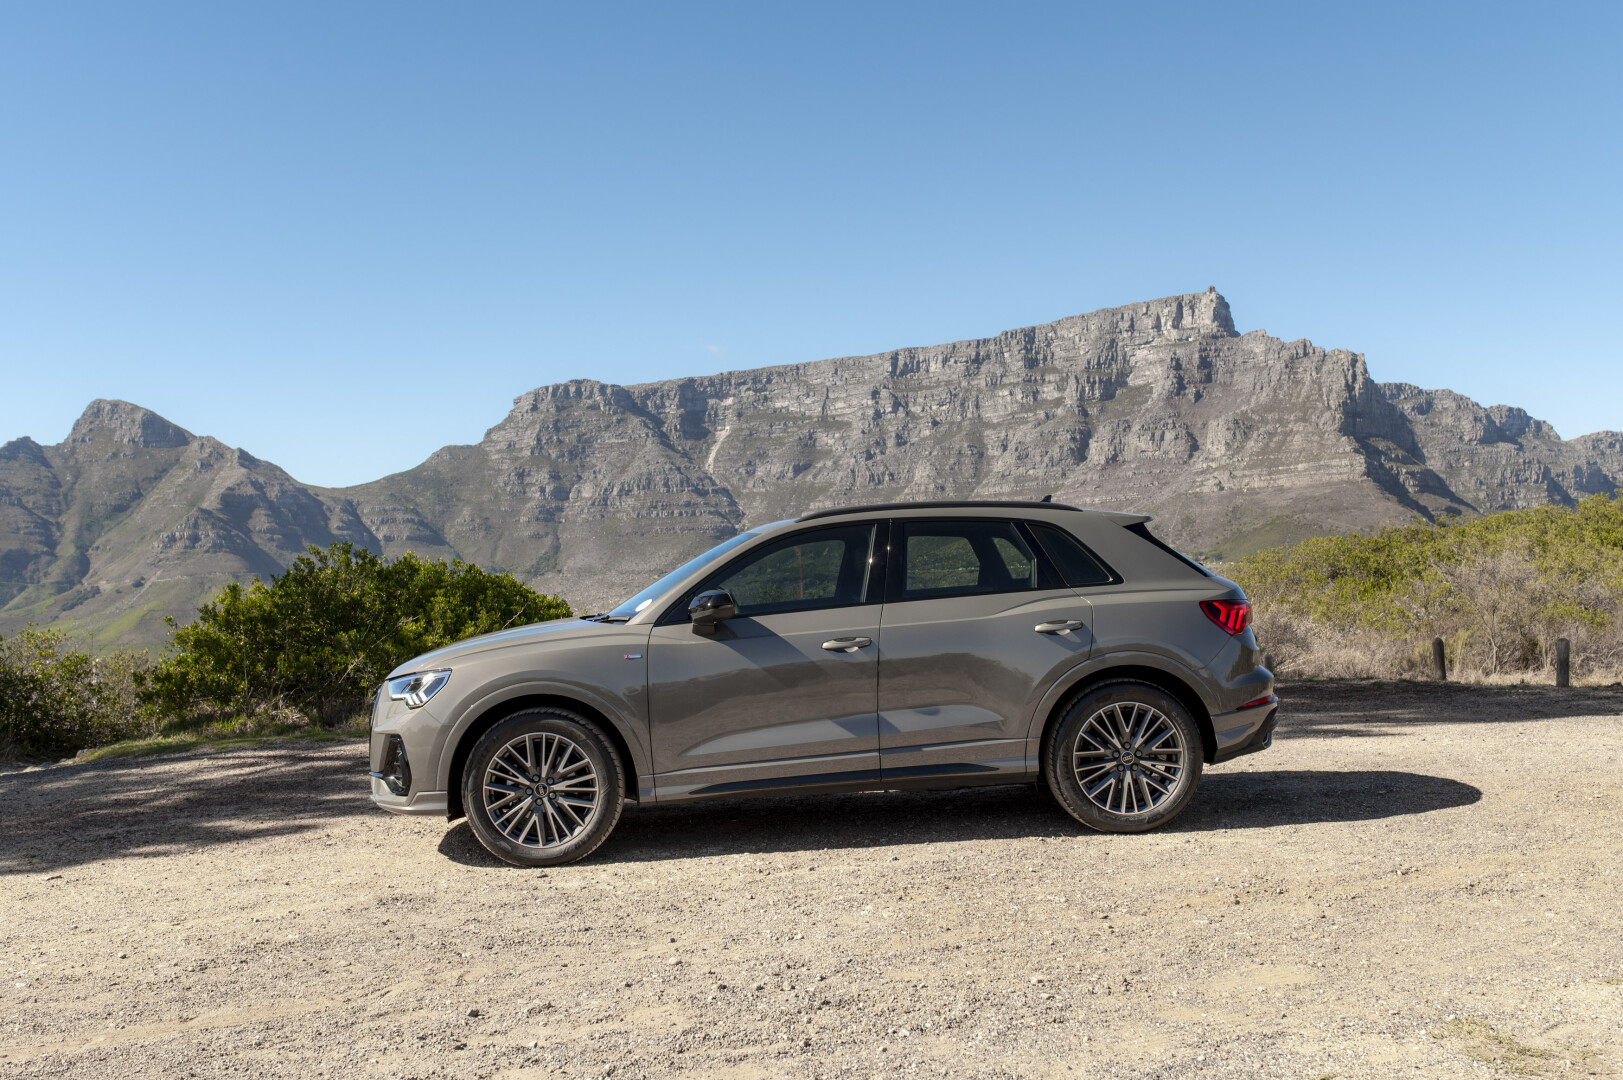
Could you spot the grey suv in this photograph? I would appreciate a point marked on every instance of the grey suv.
(920, 645)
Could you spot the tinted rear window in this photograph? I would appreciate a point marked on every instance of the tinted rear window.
(963, 557)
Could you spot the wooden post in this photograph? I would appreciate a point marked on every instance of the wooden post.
(1563, 662)
(1439, 660)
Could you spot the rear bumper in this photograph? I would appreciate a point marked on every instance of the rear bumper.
(1245, 732)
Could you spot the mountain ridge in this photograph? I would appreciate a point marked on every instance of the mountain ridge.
(1234, 440)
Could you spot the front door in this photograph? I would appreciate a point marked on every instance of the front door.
(975, 631)
(785, 693)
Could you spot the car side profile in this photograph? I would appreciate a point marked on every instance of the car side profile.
(917, 645)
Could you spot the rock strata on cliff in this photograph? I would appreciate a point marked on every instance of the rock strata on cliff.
(1232, 440)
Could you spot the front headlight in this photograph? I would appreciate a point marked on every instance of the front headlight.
(415, 690)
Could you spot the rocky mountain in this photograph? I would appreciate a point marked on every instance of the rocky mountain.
(1233, 440)
(131, 518)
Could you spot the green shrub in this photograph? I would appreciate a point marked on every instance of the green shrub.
(322, 636)
(54, 700)
(1499, 588)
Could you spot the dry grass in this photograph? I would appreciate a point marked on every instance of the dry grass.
(1487, 642)
(1499, 590)
(1303, 648)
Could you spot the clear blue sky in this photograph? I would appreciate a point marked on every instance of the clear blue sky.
(343, 235)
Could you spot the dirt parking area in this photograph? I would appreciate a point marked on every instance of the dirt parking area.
(1416, 881)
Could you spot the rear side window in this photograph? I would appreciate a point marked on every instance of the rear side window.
(959, 558)
(1075, 565)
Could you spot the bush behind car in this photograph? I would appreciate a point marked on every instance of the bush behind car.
(320, 637)
(58, 700)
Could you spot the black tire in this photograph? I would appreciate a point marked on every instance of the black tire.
(540, 834)
(1127, 779)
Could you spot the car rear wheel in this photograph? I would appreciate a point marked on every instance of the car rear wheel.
(543, 787)
(1125, 757)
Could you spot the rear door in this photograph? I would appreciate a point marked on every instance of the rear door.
(976, 627)
(785, 693)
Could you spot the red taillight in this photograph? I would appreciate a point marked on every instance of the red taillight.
(1232, 615)
(1269, 700)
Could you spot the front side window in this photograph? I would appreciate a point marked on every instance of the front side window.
(960, 558)
(819, 569)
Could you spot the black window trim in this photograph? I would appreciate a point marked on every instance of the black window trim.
(677, 613)
(1045, 567)
(1036, 542)
(881, 570)
(1047, 570)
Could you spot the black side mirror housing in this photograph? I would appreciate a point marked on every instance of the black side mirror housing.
(709, 608)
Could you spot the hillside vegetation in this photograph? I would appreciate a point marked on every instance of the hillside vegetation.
(307, 649)
(1499, 589)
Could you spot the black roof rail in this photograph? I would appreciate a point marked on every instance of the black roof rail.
(943, 504)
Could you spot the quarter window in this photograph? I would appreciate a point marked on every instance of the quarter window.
(1076, 566)
(960, 558)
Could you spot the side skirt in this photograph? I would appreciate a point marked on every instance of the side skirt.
(830, 785)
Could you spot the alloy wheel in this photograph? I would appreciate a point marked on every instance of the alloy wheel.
(540, 790)
(1129, 758)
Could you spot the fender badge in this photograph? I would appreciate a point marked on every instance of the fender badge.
(633, 656)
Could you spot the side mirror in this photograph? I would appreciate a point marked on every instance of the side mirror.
(709, 608)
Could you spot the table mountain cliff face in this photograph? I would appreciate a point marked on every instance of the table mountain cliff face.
(1233, 441)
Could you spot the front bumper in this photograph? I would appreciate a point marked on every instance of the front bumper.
(418, 802)
(404, 758)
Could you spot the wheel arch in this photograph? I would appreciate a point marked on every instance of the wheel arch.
(1181, 689)
(500, 710)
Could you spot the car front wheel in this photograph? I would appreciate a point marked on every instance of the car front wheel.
(1124, 758)
(543, 787)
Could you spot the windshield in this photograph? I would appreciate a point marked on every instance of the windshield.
(647, 596)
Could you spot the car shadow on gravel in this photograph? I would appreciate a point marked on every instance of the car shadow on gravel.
(1269, 798)
(54, 818)
(1226, 800)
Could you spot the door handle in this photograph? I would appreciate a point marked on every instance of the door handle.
(1058, 626)
(847, 644)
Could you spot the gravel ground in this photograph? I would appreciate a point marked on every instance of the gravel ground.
(1416, 881)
